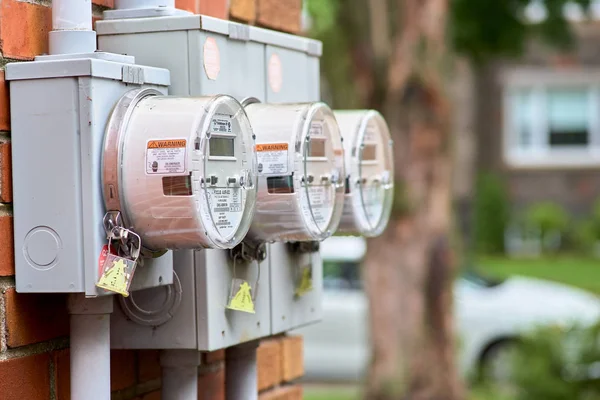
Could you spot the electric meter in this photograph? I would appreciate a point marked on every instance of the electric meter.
(370, 169)
(181, 171)
(301, 168)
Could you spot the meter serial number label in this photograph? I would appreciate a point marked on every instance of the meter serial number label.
(272, 158)
(221, 123)
(319, 205)
(166, 156)
(226, 207)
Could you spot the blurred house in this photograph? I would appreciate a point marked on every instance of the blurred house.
(537, 121)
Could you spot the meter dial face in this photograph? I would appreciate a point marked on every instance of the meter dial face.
(374, 170)
(225, 144)
(323, 168)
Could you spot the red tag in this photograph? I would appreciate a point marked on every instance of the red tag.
(102, 259)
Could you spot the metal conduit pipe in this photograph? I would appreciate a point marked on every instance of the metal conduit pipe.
(90, 346)
(179, 374)
(241, 378)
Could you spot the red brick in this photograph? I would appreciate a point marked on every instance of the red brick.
(122, 369)
(214, 8)
(243, 10)
(283, 15)
(189, 5)
(7, 256)
(25, 378)
(211, 385)
(105, 3)
(149, 365)
(214, 356)
(33, 318)
(294, 392)
(4, 103)
(5, 173)
(62, 374)
(292, 357)
(269, 363)
(24, 29)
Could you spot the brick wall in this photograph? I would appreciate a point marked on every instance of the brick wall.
(34, 343)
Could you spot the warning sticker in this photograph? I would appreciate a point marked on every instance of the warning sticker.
(272, 158)
(165, 156)
(226, 208)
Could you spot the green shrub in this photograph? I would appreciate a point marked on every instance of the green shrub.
(491, 213)
(553, 222)
(554, 364)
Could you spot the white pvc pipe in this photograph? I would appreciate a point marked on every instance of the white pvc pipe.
(90, 347)
(71, 15)
(241, 379)
(133, 4)
(179, 374)
(72, 27)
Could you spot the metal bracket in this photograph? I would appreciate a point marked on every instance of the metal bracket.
(248, 252)
(304, 247)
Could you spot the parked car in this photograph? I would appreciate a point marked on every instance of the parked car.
(490, 316)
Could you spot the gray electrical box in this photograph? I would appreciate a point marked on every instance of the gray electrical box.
(208, 56)
(192, 313)
(59, 110)
(293, 77)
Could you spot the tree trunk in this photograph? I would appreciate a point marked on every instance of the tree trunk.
(408, 270)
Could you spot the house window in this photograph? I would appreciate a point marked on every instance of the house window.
(550, 125)
(568, 117)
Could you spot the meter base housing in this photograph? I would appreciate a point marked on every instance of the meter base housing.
(245, 54)
(201, 320)
(59, 110)
(289, 311)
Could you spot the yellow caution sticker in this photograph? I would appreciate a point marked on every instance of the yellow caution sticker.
(242, 299)
(305, 284)
(117, 275)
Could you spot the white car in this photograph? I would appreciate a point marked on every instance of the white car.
(490, 315)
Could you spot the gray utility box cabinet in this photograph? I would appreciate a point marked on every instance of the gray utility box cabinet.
(59, 110)
(287, 310)
(192, 313)
(208, 56)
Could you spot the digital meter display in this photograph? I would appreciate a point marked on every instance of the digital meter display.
(221, 147)
(369, 152)
(316, 148)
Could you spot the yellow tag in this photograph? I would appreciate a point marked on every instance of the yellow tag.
(305, 282)
(242, 301)
(115, 278)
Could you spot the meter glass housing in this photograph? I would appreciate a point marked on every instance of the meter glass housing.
(370, 169)
(181, 171)
(301, 167)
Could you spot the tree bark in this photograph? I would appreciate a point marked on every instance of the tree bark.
(409, 270)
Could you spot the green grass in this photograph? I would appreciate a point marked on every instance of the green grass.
(312, 392)
(580, 272)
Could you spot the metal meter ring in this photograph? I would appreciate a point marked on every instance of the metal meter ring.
(111, 177)
(113, 146)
